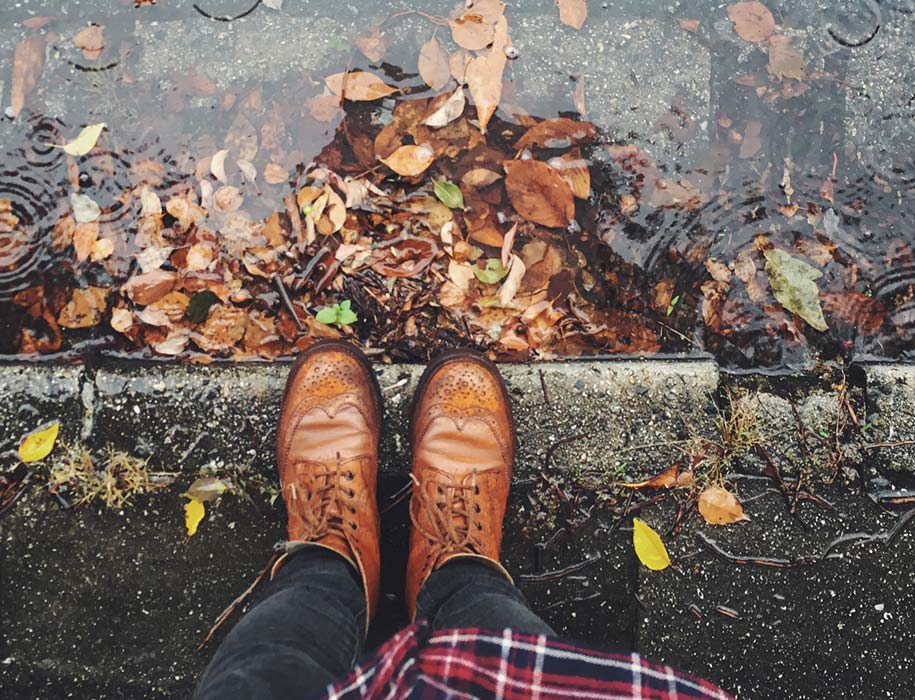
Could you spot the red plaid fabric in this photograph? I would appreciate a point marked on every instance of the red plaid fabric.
(469, 663)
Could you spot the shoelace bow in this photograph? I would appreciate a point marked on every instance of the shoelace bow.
(447, 506)
(317, 514)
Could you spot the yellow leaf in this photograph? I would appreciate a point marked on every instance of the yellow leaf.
(39, 444)
(193, 514)
(85, 142)
(648, 546)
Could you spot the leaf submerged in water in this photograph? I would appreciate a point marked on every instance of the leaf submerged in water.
(793, 283)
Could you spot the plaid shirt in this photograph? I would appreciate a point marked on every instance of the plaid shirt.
(469, 663)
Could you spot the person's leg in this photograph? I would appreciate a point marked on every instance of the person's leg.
(470, 594)
(305, 633)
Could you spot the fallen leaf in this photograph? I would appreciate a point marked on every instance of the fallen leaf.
(752, 142)
(228, 199)
(539, 193)
(672, 477)
(28, 62)
(410, 161)
(450, 109)
(449, 194)
(557, 133)
(648, 546)
(484, 76)
(574, 170)
(720, 507)
(784, 60)
(512, 282)
(121, 320)
(493, 273)
(433, 64)
(793, 283)
(85, 308)
(275, 174)
(218, 164)
(573, 12)
(480, 177)
(461, 274)
(174, 343)
(199, 306)
(84, 239)
(149, 287)
(358, 86)
(206, 489)
(690, 25)
(85, 209)
(753, 21)
(371, 43)
(90, 41)
(194, 511)
(83, 143)
(272, 4)
(325, 108)
(457, 64)
(507, 242)
(199, 257)
(248, 170)
(471, 31)
(38, 445)
(150, 202)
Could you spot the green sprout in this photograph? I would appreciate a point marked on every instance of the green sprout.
(337, 315)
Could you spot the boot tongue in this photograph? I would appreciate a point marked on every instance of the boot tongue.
(321, 437)
(470, 447)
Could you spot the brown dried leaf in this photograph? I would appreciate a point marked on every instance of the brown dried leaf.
(325, 108)
(574, 170)
(28, 62)
(471, 31)
(275, 174)
(446, 110)
(539, 193)
(557, 133)
(784, 60)
(573, 12)
(752, 21)
(224, 327)
(85, 308)
(410, 161)
(720, 507)
(359, 86)
(90, 41)
(228, 199)
(752, 142)
(480, 177)
(372, 43)
(149, 287)
(484, 76)
(690, 25)
(433, 64)
(457, 65)
(84, 238)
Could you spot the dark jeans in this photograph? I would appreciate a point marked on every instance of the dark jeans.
(308, 630)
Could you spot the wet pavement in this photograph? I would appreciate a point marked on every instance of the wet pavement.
(112, 603)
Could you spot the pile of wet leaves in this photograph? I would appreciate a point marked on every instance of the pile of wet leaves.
(442, 214)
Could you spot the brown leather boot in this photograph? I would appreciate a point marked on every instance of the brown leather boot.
(327, 454)
(463, 441)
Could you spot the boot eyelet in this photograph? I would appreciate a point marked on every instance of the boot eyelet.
(479, 527)
(476, 508)
(350, 476)
(476, 490)
(441, 490)
(353, 526)
(352, 510)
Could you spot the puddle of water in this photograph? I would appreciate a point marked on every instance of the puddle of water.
(719, 148)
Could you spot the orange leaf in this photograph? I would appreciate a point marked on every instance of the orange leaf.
(752, 21)
(573, 12)
(28, 61)
(557, 133)
(720, 507)
(538, 193)
(325, 108)
(410, 161)
(671, 477)
(433, 64)
(784, 60)
(358, 86)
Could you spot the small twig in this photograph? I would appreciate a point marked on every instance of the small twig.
(546, 396)
(881, 445)
(557, 574)
(288, 302)
(224, 615)
(548, 457)
(399, 497)
(226, 18)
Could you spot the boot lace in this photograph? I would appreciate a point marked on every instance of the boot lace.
(320, 507)
(447, 507)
